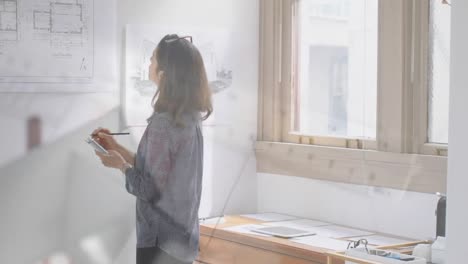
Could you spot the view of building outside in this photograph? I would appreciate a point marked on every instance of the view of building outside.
(338, 54)
(337, 92)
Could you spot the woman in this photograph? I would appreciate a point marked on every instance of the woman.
(165, 174)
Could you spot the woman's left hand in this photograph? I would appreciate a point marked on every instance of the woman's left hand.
(111, 160)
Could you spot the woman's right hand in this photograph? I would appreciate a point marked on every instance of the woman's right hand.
(103, 137)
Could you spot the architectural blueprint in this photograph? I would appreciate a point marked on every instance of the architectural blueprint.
(46, 41)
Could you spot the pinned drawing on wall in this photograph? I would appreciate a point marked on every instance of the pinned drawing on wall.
(57, 45)
(46, 41)
(141, 40)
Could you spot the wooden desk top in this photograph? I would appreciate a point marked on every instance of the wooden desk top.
(279, 245)
(274, 244)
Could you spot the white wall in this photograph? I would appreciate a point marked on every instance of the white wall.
(58, 196)
(60, 114)
(457, 216)
(407, 214)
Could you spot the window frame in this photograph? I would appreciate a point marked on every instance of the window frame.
(289, 73)
(402, 82)
(420, 82)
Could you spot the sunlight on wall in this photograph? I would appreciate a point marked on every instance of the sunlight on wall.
(94, 247)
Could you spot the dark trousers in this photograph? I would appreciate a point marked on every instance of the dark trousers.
(155, 255)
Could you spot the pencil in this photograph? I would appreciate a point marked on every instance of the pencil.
(114, 134)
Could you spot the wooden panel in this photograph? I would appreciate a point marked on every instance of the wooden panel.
(421, 81)
(226, 252)
(390, 76)
(269, 99)
(408, 172)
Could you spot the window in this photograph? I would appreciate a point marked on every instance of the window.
(337, 68)
(366, 74)
(439, 72)
(344, 89)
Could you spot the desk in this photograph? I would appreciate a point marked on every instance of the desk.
(218, 246)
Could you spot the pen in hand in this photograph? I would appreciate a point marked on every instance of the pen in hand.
(114, 134)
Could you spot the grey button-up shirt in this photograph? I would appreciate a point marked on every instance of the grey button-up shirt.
(167, 181)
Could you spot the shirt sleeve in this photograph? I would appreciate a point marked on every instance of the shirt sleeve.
(158, 163)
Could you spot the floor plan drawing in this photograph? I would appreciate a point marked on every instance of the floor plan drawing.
(66, 18)
(63, 23)
(8, 20)
(56, 33)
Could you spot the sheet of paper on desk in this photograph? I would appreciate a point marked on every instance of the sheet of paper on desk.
(213, 221)
(379, 240)
(270, 217)
(323, 242)
(303, 224)
(334, 231)
(246, 229)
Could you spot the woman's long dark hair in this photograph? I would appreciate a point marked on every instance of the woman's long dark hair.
(183, 86)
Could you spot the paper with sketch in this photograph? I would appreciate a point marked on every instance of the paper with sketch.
(47, 41)
(334, 231)
(270, 217)
(379, 240)
(323, 242)
(303, 224)
(246, 229)
(58, 46)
